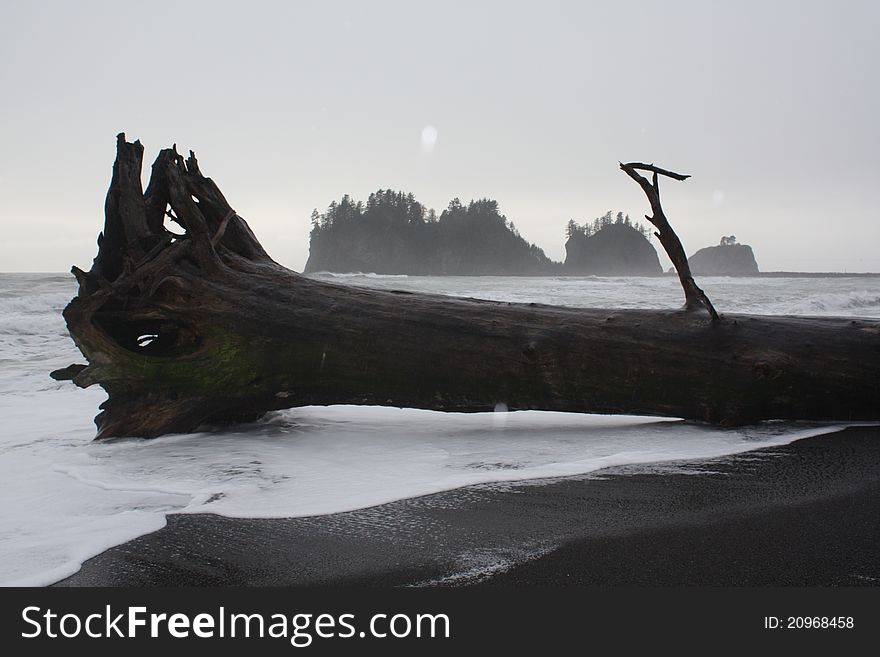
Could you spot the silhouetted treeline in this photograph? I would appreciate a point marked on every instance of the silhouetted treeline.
(392, 233)
(610, 246)
(588, 229)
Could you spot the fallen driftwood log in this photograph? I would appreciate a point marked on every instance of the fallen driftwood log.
(204, 327)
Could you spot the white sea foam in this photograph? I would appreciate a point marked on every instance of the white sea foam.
(68, 498)
(358, 274)
(862, 302)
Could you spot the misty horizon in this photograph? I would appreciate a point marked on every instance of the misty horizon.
(771, 108)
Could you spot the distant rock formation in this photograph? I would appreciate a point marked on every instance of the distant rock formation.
(615, 249)
(726, 259)
(395, 234)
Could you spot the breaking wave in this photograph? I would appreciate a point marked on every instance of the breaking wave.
(839, 303)
(357, 274)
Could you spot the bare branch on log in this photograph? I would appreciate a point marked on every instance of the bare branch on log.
(695, 298)
(663, 172)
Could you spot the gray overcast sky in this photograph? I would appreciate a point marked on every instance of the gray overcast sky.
(772, 106)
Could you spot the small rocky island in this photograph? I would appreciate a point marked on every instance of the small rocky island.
(727, 259)
(392, 233)
(610, 247)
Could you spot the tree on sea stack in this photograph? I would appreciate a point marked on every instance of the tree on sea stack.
(204, 327)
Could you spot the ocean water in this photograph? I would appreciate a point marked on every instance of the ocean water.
(67, 498)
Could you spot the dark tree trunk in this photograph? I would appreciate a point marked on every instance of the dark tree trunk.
(207, 328)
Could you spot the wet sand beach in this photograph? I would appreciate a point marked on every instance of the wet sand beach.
(805, 514)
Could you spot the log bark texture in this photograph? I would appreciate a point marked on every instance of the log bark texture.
(205, 328)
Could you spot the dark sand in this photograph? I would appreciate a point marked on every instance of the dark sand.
(807, 514)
